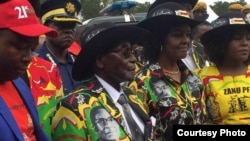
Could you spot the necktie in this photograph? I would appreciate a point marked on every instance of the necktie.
(136, 133)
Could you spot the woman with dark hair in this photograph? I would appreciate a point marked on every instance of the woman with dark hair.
(227, 80)
(181, 103)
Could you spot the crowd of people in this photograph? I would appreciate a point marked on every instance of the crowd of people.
(62, 81)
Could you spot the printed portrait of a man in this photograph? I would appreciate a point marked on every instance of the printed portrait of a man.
(193, 83)
(163, 92)
(105, 125)
(161, 89)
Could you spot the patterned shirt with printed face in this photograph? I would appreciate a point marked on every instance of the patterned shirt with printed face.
(46, 86)
(227, 97)
(171, 102)
(90, 114)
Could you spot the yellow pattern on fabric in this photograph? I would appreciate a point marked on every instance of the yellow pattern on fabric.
(71, 117)
(228, 97)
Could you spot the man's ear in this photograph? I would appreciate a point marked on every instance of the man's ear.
(99, 63)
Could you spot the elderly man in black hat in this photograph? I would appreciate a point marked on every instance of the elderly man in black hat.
(106, 61)
(62, 16)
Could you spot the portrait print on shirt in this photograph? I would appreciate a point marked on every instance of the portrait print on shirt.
(163, 92)
(104, 124)
(193, 83)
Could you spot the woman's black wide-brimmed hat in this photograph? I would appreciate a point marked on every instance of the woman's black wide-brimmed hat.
(158, 2)
(101, 38)
(164, 16)
(223, 26)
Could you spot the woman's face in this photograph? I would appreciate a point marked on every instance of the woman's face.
(177, 42)
(239, 46)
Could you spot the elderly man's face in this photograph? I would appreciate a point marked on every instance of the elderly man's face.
(122, 67)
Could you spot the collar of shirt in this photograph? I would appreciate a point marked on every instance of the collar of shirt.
(70, 57)
(113, 93)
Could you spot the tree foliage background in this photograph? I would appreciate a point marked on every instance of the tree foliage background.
(222, 7)
(91, 8)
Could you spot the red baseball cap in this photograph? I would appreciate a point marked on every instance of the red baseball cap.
(19, 16)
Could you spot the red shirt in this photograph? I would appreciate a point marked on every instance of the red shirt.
(20, 113)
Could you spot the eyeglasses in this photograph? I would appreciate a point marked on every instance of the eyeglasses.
(128, 51)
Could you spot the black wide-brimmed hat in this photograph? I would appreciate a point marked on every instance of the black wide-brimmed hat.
(101, 38)
(223, 26)
(165, 15)
(158, 2)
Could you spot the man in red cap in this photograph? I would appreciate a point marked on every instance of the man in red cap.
(45, 83)
(19, 31)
